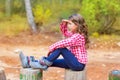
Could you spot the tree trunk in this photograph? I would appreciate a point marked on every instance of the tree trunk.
(61, 2)
(2, 74)
(75, 75)
(30, 16)
(30, 74)
(8, 6)
(114, 75)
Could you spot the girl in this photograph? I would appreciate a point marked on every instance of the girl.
(73, 48)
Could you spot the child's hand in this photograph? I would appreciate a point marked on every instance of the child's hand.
(48, 53)
(65, 21)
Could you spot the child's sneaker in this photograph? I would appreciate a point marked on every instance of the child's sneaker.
(25, 60)
(41, 64)
(37, 65)
(44, 61)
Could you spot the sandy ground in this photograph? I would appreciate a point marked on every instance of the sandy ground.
(101, 62)
(102, 57)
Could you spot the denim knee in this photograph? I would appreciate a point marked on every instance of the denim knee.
(62, 49)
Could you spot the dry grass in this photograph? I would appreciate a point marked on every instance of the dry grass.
(13, 26)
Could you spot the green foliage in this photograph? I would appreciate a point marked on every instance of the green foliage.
(18, 7)
(41, 15)
(1, 15)
(100, 14)
(95, 34)
(88, 11)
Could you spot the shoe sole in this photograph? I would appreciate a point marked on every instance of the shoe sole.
(39, 67)
(21, 55)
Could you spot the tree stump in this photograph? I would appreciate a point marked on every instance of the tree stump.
(75, 75)
(2, 74)
(114, 75)
(30, 74)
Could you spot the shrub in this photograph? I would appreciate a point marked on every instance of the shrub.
(100, 14)
(41, 15)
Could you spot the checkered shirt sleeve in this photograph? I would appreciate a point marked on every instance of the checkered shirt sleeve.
(64, 30)
(74, 40)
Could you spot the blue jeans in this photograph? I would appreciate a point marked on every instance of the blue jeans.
(69, 61)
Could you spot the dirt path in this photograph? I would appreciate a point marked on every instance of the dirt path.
(99, 65)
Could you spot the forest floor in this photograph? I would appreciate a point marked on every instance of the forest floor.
(103, 57)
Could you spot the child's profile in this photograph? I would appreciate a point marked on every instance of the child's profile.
(72, 48)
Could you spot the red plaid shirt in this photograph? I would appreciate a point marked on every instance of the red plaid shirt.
(75, 43)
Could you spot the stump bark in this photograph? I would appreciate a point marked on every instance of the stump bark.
(2, 74)
(30, 74)
(114, 75)
(75, 75)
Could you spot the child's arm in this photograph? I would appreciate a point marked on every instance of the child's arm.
(64, 29)
(75, 40)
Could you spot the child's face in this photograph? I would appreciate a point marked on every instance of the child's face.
(71, 26)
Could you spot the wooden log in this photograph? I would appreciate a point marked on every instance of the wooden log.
(2, 74)
(75, 75)
(114, 75)
(30, 74)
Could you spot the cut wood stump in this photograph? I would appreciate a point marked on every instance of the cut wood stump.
(30, 74)
(2, 74)
(75, 75)
(114, 75)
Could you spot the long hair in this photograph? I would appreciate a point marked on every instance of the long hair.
(78, 20)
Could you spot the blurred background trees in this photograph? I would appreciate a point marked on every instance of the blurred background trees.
(30, 17)
(102, 16)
